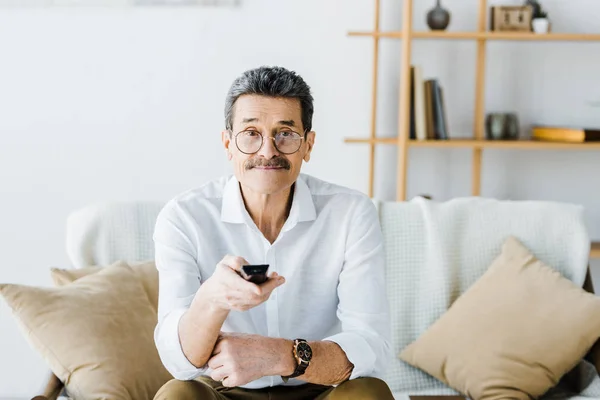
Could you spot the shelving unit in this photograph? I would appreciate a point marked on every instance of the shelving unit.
(478, 142)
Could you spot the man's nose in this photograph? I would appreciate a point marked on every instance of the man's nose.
(268, 149)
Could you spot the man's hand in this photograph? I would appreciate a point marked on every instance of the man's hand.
(227, 290)
(241, 358)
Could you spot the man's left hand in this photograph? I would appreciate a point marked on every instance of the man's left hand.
(241, 358)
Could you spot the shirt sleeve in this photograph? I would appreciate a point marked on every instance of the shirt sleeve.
(363, 307)
(179, 280)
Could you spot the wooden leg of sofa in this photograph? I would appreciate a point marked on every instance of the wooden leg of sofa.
(593, 355)
(52, 389)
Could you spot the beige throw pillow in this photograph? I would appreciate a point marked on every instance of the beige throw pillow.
(146, 272)
(96, 334)
(513, 334)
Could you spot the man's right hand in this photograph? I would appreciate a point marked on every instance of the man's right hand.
(227, 290)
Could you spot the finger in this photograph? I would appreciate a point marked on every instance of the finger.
(218, 347)
(216, 361)
(222, 343)
(271, 284)
(228, 382)
(234, 262)
(239, 284)
(235, 283)
(219, 374)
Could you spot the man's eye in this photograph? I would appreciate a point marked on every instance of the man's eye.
(286, 133)
(252, 133)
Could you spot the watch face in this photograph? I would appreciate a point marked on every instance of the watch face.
(304, 351)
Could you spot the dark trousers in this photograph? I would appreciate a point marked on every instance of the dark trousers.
(205, 388)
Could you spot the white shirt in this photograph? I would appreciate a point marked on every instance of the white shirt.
(330, 250)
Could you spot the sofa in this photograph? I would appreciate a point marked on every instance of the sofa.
(452, 294)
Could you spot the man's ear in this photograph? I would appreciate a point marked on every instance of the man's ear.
(310, 142)
(226, 139)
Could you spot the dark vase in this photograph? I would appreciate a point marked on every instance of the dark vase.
(438, 18)
(502, 126)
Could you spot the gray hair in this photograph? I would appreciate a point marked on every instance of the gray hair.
(273, 82)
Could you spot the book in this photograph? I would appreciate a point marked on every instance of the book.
(565, 134)
(419, 104)
(413, 129)
(444, 114)
(429, 121)
(440, 127)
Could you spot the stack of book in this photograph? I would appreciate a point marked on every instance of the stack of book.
(564, 134)
(428, 120)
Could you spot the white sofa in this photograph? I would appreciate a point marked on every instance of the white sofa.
(442, 246)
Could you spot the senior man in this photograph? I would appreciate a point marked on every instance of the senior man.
(318, 327)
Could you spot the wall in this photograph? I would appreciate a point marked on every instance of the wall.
(126, 104)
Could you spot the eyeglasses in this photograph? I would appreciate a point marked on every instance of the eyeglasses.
(286, 142)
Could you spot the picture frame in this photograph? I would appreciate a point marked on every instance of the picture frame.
(511, 18)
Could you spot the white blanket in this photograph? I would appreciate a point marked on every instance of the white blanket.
(101, 234)
(435, 251)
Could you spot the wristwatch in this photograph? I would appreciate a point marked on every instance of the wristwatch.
(302, 354)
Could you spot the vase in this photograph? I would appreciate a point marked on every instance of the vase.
(438, 18)
(540, 25)
(502, 126)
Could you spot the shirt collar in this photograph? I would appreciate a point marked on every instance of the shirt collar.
(233, 208)
(234, 211)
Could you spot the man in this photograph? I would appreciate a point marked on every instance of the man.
(318, 327)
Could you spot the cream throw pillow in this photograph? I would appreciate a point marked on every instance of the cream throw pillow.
(513, 334)
(146, 272)
(96, 334)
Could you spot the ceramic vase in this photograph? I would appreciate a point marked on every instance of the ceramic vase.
(438, 18)
(502, 126)
(540, 25)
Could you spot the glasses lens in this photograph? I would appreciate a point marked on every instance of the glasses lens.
(288, 142)
(248, 141)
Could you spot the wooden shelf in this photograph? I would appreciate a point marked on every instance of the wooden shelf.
(390, 140)
(476, 139)
(517, 36)
(595, 253)
(573, 37)
(484, 144)
(505, 144)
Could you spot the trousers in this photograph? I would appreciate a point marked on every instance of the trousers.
(204, 388)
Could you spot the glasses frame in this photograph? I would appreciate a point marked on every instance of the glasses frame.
(262, 141)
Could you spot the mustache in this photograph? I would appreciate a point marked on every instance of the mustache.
(274, 162)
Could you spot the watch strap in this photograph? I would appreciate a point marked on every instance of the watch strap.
(302, 365)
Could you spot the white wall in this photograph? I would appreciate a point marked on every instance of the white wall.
(126, 104)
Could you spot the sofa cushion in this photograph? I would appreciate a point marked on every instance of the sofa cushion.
(96, 334)
(513, 334)
(146, 272)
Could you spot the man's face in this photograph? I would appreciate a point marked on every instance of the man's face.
(269, 170)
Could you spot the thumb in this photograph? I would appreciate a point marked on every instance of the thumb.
(274, 281)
